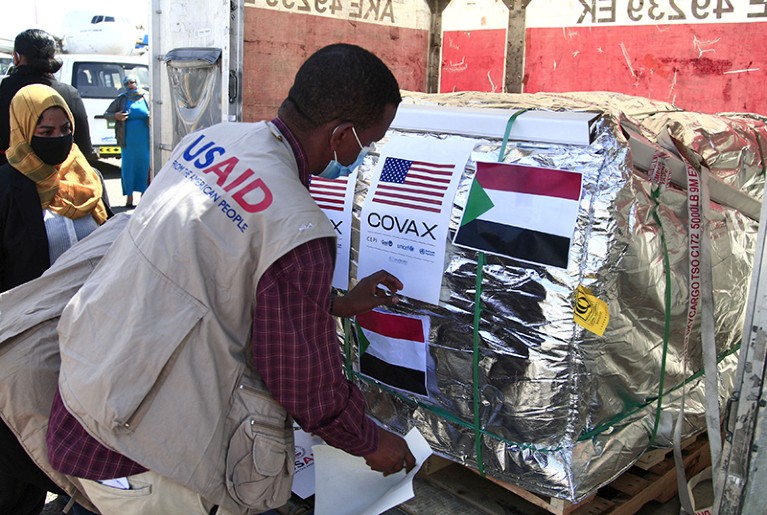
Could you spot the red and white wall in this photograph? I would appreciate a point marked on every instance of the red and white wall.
(281, 34)
(473, 46)
(702, 55)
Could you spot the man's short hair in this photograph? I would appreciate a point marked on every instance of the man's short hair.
(343, 82)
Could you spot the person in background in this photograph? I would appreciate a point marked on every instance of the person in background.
(34, 62)
(188, 408)
(130, 111)
(50, 197)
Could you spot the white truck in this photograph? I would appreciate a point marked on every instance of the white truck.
(98, 78)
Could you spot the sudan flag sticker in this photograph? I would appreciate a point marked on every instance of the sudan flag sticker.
(393, 349)
(521, 212)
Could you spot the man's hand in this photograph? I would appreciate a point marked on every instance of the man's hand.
(368, 294)
(392, 454)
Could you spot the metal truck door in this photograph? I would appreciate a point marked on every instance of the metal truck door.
(185, 38)
(744, 459)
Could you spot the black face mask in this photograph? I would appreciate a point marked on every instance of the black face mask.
(52, 151)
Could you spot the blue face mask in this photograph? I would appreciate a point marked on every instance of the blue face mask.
(334, 169)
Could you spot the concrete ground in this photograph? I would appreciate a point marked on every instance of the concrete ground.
(703, 495)
(110, 169)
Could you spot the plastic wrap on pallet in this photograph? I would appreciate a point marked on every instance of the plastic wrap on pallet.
(732, 144)
(563, 411)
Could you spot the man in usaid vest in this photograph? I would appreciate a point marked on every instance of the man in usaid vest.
(208, 324)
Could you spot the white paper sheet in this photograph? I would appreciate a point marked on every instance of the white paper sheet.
(347, 486)
(303, 481)
(121, 483)
(403, 226)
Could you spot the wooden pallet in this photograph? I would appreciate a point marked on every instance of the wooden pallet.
(654, 456)
(459, 489)
(636, 487)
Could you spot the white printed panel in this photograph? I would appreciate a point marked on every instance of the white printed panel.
(595, 13)
(179, 18)
(408, 14)
(468, 15)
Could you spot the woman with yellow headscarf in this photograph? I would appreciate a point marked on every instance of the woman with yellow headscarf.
(50, 197)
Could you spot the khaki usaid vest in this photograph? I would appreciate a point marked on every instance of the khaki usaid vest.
(29, 345)
(155, 344)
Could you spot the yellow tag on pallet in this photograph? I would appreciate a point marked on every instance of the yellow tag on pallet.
(589, 312)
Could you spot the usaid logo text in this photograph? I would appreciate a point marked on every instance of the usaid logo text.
(302, 458)
(249, 192)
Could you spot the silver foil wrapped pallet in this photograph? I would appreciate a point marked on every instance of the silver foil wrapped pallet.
(516, 388)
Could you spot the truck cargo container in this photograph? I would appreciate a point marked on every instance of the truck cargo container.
(701, 55)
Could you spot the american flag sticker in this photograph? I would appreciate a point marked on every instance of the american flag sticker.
(413, 184)
(329, 193)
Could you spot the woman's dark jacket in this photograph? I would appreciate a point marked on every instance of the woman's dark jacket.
(23, 240)
(26, 75)
(120, 105)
